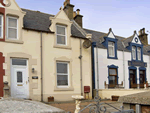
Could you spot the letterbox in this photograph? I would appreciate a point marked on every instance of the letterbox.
(86, 89)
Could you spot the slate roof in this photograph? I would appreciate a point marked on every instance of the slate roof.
(98, 37)
(35, 20)
(138, 98)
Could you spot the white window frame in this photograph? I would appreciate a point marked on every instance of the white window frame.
(12, 27)
(1, 26)
(134, 52)
(113, 50)
(139, 53)
(61, 35)
(63, 86)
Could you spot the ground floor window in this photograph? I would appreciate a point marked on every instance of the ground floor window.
(113, 76)
(62, 73)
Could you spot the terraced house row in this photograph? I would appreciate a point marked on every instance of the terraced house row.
(44, 55)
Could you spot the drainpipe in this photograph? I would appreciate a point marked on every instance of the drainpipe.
(80, 57)
(123, 66)
(41, 67)
(97, 68)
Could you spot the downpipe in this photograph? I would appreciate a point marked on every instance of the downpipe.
(41, 46)
(80, 57)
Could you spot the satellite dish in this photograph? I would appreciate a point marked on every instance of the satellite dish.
(87, 44)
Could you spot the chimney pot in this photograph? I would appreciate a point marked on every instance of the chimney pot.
(110, 29)
(134, 31)
(66, 2)
(143, 30)
(78, 11)
(74, 14)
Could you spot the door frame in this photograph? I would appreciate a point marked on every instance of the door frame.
(19, 66)
(132, 68)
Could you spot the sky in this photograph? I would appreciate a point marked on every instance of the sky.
(123, 16)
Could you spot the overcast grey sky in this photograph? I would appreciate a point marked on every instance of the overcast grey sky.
(123, 16)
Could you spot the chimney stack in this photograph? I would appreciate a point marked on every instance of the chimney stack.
(68, 8)
(143, 36)
(78, 18)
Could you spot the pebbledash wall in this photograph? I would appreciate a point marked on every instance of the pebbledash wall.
(28, 47)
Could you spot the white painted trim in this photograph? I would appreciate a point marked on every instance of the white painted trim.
(62, 86)
(2, 26)
(61, 34)
(12, 27)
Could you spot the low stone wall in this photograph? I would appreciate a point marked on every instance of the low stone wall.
(107, 93)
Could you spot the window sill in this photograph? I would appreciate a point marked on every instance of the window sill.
(14, 41)
(112, 57)
(64, 89)
(62, 47)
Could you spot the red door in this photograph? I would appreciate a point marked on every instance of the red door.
(2, 73)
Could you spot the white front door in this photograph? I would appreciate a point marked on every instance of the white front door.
(19, 79)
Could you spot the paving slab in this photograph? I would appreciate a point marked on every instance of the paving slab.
(11, 105)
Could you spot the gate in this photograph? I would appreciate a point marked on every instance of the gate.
(99, 107)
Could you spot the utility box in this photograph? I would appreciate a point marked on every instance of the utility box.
(86, 89)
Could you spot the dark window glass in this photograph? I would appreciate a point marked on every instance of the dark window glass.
(62, 80)
(19, 62)
(62, 68)
(19, 77)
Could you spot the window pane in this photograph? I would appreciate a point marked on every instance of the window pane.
(131, 71)
(110, 43)
(61, 39)
(12, 22)
(141, 72)
(19, 62)
(62, 79)
(112, 79)
(61, 30)
(12, 33)
(112, 72)
(62, 68)
(19, 77)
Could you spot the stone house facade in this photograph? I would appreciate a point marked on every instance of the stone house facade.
(42, 55)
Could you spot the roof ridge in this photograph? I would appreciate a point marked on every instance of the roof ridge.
(104, 33)
(37, 11)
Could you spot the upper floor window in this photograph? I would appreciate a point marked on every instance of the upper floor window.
(12, 27)
(111, 49)
(62, 73)
(1, 26)
(61, 35)
(139, 53)
(133, 52)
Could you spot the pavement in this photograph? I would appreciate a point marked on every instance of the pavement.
(70, 106)
(11, 105)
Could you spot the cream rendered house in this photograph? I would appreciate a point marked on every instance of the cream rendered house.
(42, 55)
